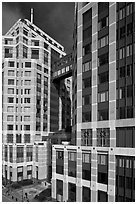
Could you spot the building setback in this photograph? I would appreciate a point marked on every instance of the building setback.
(99, 164)
(30, 100)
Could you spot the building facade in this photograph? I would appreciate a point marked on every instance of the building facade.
(99, 164)
(30, 100)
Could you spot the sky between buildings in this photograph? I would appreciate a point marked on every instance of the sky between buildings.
(54, 18)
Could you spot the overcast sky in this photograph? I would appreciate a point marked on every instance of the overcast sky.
(54, 18)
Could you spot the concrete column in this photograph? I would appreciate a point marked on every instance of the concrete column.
(79, 176)
(24, 172)
(111, 176)
(53, 172)
(94, 176)
(14, 174)
(65, 181)
(14, 153)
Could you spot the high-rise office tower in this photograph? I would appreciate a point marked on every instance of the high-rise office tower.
(30, 100)
(99, 165)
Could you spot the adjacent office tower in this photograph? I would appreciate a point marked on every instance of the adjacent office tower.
(100, 165)
(30, 101)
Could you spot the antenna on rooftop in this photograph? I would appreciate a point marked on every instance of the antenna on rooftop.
(31, 15)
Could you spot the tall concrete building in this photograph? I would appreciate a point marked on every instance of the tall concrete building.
(99, 164)
(30, 100)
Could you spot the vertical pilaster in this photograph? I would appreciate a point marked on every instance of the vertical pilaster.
(94, 176)
(65, 181)
(79, 176)
(79, 76)
(53, 172)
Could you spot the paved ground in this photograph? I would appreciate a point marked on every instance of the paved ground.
(18, 194)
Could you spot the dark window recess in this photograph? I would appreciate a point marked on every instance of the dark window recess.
(71, 192)
(129, 28)
(27, 64)
(103, 114)
(102, 178)
(103, 23)
(125, 137)
(87, 33)
(9, 127)
(59, 169)
(86, 137)
(103, 137)
(86, 194)
(103, 59)
(103, 77)
(11, 64)
(102, 196)
(59, 185)
(45, 45)
(87, 49)
(86, 82)
(122, 72)
(35, 54)
(87, 16)
(103, 6)
(122, 32)
(18, 138)
(86, 116)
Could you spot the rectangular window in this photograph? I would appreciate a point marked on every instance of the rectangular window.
(26, 118)
(27, 91)
(10, 81)
(8, 41)
(129, 50)
(129, 70)
(20, 154)
(26, 127)
(103, 59)
(9, 138)
(34, 54)
(25, 40)
(129, 9)
(122, 53)
(10, 100)
(11, 73)
(87, 49)
(8, 52)
(86, 100)
(72, 156)
(87, 33)
(125, 137)
(10, 91)
(27, 73)
(103, 97)
(27, 138)
(122, 13)
(26, 100)
(26, 109)
(86, 116)
(103, 42)
(25, 52)
(27, 82)
(11, 63)
(129, 29)
(35, 43)
(60, 155)
(28, 64)
(86, 66)
(122, 32)
(103, 23)
(103, 115)
(25, 31)
(18, 138)
(29, 153)
(86, 82)
(10, 109)
(86, 137)
(10, 118)
(103, 77)
(103, 137)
